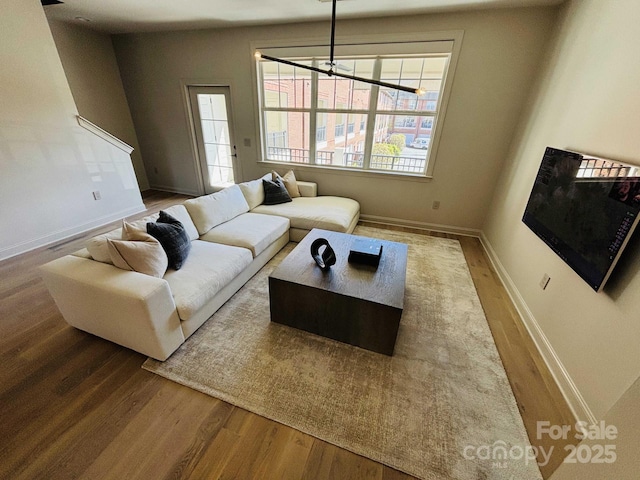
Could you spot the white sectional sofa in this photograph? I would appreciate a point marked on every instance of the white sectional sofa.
(232, 236)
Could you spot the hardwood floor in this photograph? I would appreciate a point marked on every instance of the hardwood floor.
(76, 406)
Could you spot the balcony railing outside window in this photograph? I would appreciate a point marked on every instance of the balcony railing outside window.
(294, 155)
(352, 160)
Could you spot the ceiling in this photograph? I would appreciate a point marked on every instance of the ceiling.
(126, 16)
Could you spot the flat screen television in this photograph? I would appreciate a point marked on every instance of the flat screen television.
(585, 209)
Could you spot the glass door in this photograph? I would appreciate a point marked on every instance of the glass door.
(210, 107)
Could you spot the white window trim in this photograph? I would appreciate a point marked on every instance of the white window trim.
(319, 46)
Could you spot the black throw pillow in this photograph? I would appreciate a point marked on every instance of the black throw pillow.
(173, 237)
(275, 192)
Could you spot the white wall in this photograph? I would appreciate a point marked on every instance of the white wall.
(626, 466)
(587, 101)
(49, 165)
(91, 69)
(499, 58)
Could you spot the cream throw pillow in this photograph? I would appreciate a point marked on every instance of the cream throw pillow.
(138, 251)
(98, 248)
(290, 182)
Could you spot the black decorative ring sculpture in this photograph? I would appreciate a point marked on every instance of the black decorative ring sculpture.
(327, 257)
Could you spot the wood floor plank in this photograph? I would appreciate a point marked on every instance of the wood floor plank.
(284, 456)
(42, 387)
(185, 466)
(75, 406)
(391, 474)
(134, 450)
(214, 459)
(250, 452)
(349, 466)
(193, 421)
(80, 428)
(320, 460)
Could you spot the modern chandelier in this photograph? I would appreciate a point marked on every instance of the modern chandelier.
(332, 64)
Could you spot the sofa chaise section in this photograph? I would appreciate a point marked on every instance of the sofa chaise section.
(306, 212)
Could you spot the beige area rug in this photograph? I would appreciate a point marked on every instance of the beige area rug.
(440, 408)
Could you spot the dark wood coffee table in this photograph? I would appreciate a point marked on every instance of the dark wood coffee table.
(357, 304)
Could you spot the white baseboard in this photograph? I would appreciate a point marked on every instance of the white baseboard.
(565, 383)
(166, 188)
(433, 227)
(66, 233)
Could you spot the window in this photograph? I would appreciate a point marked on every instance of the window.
(332, 121)
(427, 122)
(404, 122)
(597, 167)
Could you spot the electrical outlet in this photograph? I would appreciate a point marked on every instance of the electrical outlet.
(545, 281)
(436, 204)
(96, 195)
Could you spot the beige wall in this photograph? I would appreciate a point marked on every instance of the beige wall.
(92, 72)
(587, 101)
(499, 58)
(49, 165)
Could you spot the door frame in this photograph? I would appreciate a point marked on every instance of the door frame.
(197, 162)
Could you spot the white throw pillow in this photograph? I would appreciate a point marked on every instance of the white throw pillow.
(138, 252)
(211, 210)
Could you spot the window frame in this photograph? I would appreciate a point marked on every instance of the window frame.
(449, 42)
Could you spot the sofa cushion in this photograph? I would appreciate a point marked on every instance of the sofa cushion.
(209, 268)
(275, 192)
(172, 236)
(211, 210)
(138, 252)
(253, 191)
(179, 212)
(307, 189)
(306, 213)
(250, 230)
